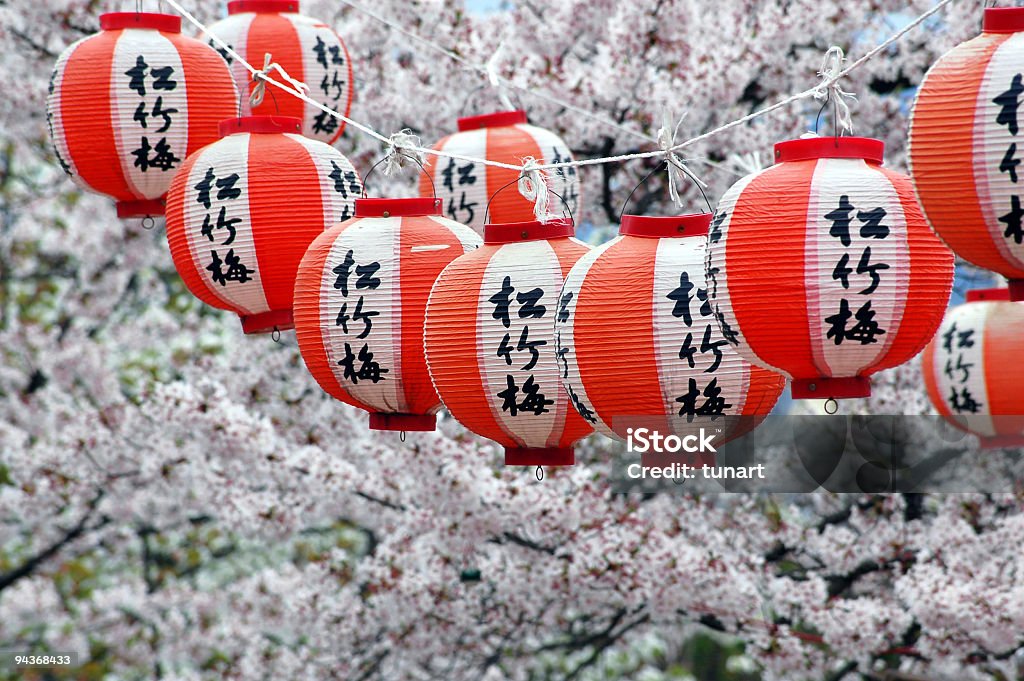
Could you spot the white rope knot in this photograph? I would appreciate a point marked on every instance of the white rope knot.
(677, 170)
(534, 188)
(403, 146)
(256, 98)
(831, 70)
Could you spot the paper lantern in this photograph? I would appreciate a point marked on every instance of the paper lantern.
(823, 268)
(972, 368)
(506, 137)
(966, 146)
(490, 342)
(307, 49)
(243, 211)
(127, 105)
(644, 292)
(360, 299)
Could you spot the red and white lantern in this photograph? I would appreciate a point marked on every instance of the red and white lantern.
(972, 368)
(127, 105)
(307, 49)
(824, 269)
(243, 211)
(360, 300)
(506, 137)
(644, 293)
(966, 145)
(490, 341)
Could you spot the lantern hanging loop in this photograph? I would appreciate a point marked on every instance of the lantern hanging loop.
(275, 335)
(260, 78)
(829, 88)
(831, 406)
(401, 436)
(403, 146)
(539, 473)
(548, 216)
(417, 159)
(677, 170)
(664, 163)
(148, 222)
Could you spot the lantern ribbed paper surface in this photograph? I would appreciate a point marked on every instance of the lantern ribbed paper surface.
(972, 368)
(360, 299)
(307, 49)
(505, 137)
(490, 341)
(644, 293)
(127, 105)
(243, 211)
(966, 145)
(824, 269)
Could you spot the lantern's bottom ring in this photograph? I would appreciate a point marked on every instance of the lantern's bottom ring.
(403, 422)
(539, 456)
(144, 208)
(268, 322)
(835, 388)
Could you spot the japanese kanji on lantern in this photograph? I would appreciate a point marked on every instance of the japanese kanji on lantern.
(505, 137)
(972, 368)
(966, 145)
(243, 211)
(490, 346)
(824, 269)
(646, 289)
(360, 299)
(307, 49)
(127, 105)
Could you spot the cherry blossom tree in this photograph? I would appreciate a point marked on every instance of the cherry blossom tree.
(181, 501)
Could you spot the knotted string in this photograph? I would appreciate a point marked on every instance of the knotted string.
(677, 170)
(403, 146)
(256, 98)
(831, 69)
(534, 188)
(495, 79)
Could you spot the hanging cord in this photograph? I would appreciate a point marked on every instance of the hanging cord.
(827, 83)
(677, 170)
(492, 76)
(403, 147)
(665, 163)
(829, 89)
(261, 77)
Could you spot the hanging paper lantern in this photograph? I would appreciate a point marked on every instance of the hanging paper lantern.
(307, 49)
(127, 105)
(972, 368)
(505, 137)
(490, 341)
(360, 299)
(823, 268)
(645, 290)
(967, 143)
(243, 211)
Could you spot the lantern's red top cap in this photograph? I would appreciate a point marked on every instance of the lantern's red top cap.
(492, 120)
(1003, 20)
(655, 227)
(389, 208)
(113, 21)
(988, 294)
(510, 232)
(266, 124)
(262, 6)
(866, 148)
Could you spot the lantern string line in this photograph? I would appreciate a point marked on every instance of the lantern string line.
(256, 98)
(831, 67)
(827, 83)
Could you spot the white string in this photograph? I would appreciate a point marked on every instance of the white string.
(256, 98)
(831, 67)
(403, 146)
(677, 170)
(534, 188)
(495, 79)
(828, 82)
